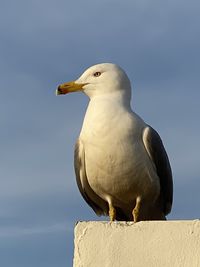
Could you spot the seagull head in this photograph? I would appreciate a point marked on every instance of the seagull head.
(98, 80)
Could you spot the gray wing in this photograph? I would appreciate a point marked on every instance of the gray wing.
(94, 201)
(157, 153)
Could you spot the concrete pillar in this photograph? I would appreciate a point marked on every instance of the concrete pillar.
(143, 244)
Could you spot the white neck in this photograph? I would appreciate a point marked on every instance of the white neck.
(120, 98)
(105, 112)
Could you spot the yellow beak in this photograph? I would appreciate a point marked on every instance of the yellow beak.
(69, 87)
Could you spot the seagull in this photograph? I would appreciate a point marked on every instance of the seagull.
(121, 166)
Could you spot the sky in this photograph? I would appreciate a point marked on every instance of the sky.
(44, 43)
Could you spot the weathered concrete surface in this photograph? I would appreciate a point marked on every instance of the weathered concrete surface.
(125, 244)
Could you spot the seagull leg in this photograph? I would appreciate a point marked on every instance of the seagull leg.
(112, 212)
(136, 210)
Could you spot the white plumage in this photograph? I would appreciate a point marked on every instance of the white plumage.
(121, 166)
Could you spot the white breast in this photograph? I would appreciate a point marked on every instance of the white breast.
(116, 160)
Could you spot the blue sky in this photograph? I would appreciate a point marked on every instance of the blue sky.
(44, 43)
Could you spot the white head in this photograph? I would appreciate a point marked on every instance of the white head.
(100, 79)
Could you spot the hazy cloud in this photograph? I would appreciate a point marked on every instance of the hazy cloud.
(45, 43)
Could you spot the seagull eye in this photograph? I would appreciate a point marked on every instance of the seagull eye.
(97, 74)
